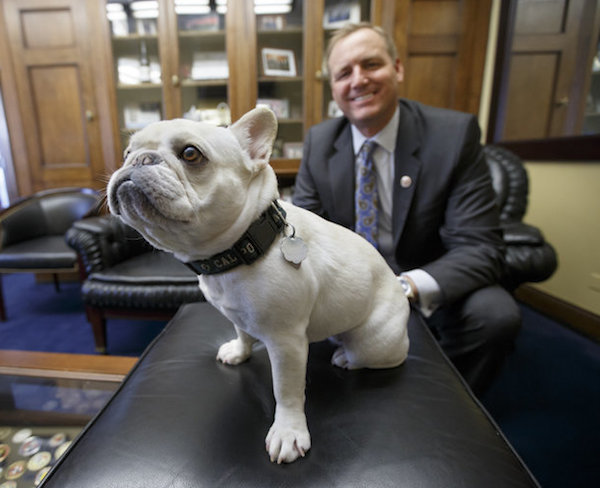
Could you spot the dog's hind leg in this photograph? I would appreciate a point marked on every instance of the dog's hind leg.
(237, 350)
(382, 342)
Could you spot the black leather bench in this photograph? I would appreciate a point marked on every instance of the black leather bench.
(181, 419)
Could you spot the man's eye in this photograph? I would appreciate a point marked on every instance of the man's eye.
(191, 154)
(372, 65)
(341, 75)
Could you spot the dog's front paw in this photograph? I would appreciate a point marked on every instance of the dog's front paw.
(234, 352)
(287, 442)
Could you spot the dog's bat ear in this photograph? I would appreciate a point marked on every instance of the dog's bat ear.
(256, 132)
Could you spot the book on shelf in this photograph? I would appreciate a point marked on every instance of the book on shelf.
(200, 23)
(139, 115)
(131, 72)
(210, 65)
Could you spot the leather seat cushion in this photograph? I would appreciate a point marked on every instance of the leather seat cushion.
(149, 268)
(41, 252)
(154, 280)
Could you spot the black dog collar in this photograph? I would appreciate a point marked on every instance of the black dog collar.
(252, 245)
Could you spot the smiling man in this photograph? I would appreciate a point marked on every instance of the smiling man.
(434, 221)
(364, 75)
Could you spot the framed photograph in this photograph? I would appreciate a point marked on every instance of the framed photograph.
(271, 22)
(281, 108)
(339, 15)
(292, 150)
(278, 62)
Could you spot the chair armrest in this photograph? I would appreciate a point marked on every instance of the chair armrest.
(102, 242)
(522, 233)
(529, 258)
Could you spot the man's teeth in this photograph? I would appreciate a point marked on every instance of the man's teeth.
(363, 97)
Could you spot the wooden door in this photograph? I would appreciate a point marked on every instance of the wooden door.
(53, 70)
(442, 44)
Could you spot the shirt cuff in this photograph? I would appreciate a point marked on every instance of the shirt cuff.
(429, 291)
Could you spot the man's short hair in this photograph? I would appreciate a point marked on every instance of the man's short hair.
(348, 29)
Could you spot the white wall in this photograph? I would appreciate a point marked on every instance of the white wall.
(564, 202)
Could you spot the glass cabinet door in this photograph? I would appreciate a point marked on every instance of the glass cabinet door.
(280, 71)
(203, 65)
(134, 31)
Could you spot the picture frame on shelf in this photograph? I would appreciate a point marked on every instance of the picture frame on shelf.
(337, 16)
(271, 22)
(278, 62)
(280, 107)
(292, 150)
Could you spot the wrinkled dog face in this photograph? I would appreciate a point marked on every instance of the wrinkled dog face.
(179, 182)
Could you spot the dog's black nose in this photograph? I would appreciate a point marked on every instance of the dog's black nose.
(147, 158)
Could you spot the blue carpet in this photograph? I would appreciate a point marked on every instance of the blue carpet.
(41, 319)
(547, 402)
(546, 399)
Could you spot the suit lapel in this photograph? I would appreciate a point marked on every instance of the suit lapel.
(406, 165)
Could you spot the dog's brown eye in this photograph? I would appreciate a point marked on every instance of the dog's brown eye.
(191, 154)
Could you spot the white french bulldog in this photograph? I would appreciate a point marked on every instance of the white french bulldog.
(196, 190)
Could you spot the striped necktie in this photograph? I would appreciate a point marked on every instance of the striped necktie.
(366, 200)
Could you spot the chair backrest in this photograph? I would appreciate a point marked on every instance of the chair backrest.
(49, 212)
(61, 210)
(510, 181)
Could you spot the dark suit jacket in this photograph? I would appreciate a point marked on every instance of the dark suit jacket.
(445, 222)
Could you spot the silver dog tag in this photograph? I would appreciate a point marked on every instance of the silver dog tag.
(294, 249)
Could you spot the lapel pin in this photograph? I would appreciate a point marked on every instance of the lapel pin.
(405, 181)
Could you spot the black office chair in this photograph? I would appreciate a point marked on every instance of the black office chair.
(32, 233)
(529, 257)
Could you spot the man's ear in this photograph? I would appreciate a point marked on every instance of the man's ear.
(256, 132)
(399, 67)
